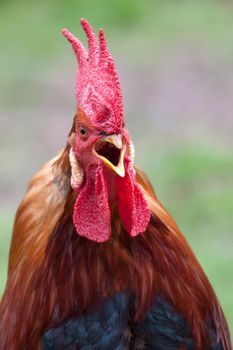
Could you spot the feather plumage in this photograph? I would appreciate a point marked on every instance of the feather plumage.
(55, 275)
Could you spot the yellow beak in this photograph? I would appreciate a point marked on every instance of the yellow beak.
(115, 140)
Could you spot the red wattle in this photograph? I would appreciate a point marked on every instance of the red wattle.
(132, 206)
(91, 215)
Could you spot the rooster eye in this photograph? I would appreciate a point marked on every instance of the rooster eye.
(82, 132)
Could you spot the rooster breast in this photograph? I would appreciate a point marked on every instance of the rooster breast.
(106, 328)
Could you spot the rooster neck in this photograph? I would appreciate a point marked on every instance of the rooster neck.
(60, 274)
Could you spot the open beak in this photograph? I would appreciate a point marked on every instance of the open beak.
(111, 150)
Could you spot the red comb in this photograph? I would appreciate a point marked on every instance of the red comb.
(98, 88)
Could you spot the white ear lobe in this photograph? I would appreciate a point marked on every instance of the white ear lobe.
(76, 171)
(131, 152)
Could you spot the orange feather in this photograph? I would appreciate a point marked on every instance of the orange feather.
(55, 274)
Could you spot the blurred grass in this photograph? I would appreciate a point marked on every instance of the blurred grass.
(39, 23)
(195, 183)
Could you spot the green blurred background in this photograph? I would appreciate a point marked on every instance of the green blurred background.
(175, 60)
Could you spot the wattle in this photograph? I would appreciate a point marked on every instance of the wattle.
(92, 215)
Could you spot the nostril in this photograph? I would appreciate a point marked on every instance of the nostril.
(103, 133)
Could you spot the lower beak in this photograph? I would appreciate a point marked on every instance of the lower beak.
(120, 148)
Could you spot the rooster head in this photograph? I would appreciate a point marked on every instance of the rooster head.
(102, 153)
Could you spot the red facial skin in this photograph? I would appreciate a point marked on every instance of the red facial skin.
(84, 143)
(101, 188)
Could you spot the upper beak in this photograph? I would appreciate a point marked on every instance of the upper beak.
(115, 140)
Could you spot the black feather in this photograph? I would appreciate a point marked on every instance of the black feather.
(112, 328)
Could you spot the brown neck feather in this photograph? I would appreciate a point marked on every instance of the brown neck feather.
(78, 273)
(74, 274)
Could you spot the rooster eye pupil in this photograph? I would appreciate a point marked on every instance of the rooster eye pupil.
(83, 131)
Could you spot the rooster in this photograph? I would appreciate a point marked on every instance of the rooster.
(96, 262)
